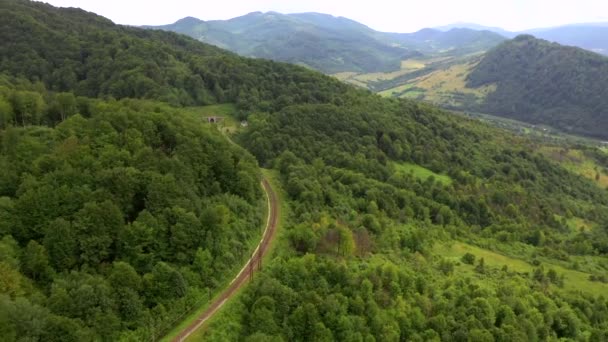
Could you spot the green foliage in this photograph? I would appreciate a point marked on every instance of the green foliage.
(108, 217)
(468, 258)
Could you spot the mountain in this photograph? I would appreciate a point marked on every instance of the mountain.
(123, 211)
(542, 82)
(526, 78)
(458, 41)
(589, 36)
(314, 40)
(592, 37)
(327, 43)
(477, 27)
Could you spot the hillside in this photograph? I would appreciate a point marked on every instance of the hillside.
(526, 79)
(122, 210)
(70, 49)
(326, 43)
(456, 41)
(321, 42)
(540, 82)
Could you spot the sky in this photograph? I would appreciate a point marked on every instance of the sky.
(382, 15)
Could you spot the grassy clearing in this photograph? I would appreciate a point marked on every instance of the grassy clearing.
(577, 224)
(446, 86)
(574, 280)
(362, 80)
(413, 64)
(421, 172)
(577, 162)
(441, 85)
(396, 91)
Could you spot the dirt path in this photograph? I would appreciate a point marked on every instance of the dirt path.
(253, 264)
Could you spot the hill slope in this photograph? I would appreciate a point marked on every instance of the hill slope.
(70, 49)
(326, 43)
(541, 82)
(317, 41)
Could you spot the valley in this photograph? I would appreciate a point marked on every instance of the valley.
(132, 160)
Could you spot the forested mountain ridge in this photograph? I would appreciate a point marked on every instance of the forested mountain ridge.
(327, 43)
(375, 188)
(70, 49)
(546, 83)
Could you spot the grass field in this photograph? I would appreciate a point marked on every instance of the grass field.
(577, 224)
(362, 80)
(421, 172)
(397, 90)
(574, 280)
(577, 162)
(446, 86)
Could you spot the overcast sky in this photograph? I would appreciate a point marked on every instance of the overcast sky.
(383, 15)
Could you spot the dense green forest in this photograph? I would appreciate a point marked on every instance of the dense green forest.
(545, 83)
(361, 262)
(119, 210)
(117, 219)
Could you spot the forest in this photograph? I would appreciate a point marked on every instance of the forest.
(546, 83)
(120, 210)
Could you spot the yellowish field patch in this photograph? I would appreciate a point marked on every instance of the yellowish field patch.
(343, 76)
(407, 66)
(574, 280)
(445, 86)
(442, 84)
(412, 64)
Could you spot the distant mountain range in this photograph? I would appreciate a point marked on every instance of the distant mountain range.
(327, 43)
(589, 36)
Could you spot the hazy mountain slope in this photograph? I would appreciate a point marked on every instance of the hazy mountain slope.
(319, 41)
(455, 41)
(477, 27)
(589, 37)
(544, 82)
(327, 43)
